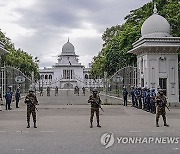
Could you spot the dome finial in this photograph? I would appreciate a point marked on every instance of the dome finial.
(155, 9)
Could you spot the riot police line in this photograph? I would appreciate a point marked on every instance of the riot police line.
(141, 98)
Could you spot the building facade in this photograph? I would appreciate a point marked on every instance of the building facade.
(67, 72)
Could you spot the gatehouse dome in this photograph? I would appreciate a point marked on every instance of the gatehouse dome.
(155, 26)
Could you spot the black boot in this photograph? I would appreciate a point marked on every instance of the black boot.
(157, 122)
(98, 125)
(28, 126)
(35, 125)
(91, 126)
(165, 124)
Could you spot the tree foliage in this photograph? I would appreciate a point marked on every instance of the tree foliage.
(118, 39)
(18, 58)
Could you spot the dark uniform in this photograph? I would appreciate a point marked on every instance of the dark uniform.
(31, 102)
(138, 97)
(125, 94)
(95, 104)
(152, 102)
(8, 97)
(56, 91)
(161, 105)
(17, 96)
(48, 91)
(84, 90)
(41, 91)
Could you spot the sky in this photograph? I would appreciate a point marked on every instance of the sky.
(42, 27)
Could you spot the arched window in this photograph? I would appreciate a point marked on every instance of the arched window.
(42, 76)
(50, 77)
(46, 76)
(86, 76)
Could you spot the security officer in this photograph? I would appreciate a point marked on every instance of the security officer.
(41, 91)
(31, 102)
(83, 90)
(133, 96)
(17, 96)
(48, 91)
(95, 101)
(148, 100)
(161, 105)
(152, 101)
(125, 94)
(56, 91)
(138, 96)
(8, 97)
(144, 92)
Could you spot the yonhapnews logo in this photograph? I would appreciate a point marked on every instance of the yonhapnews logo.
(107, 140)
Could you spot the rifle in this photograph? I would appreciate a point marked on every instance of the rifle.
(32, 103)
(99, 106)
(167, 107)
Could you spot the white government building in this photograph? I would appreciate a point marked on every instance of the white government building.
(67, 72)
(157, 56)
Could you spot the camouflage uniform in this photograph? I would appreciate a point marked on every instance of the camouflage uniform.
(95, 104)
(161, 105)
(31, 102)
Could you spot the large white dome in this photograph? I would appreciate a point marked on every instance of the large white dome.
(68, 48)
(155, 26)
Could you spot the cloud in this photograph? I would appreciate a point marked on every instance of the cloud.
(41, 27)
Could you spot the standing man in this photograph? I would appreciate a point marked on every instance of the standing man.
(125, 94)
(153, 105)
(17, 96)
(48, 91)
(161, 105)
(78, 90)
(56, 91)
(31, 102)
(95, 101)
(41, 91)
(138, 96)
(83, 89)
(8, 97)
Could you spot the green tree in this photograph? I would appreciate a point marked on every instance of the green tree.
(18, 58)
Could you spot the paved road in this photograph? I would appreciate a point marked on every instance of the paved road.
(64, 129)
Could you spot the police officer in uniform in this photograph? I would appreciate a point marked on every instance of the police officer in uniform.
(153, 105)
(95, 101)
(8, 97)
(17, 96)
(161, 105)
(125, 94)
(133, 96)
(31, 102)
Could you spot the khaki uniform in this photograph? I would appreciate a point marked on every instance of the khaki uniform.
(31, 102)
(95, 104)
(161, 102)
